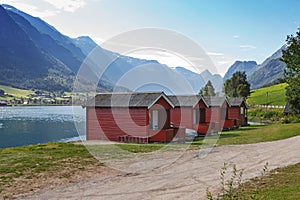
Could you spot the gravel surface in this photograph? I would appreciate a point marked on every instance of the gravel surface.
(185, 177)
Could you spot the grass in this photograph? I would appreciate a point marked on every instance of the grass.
(276, 95)
(17, 93)
(138, 148)
(33, 167)
(243, 135)
(281, 183)
(21, 166)
(255, 134)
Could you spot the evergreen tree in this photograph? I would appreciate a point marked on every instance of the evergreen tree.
(208, 90)
(237, 85)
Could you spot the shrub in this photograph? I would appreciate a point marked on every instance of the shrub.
(272, 114)
(290, 119)
(233, 188)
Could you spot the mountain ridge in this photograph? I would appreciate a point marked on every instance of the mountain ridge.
(66, 54)
(56, 59)
(245, 66)
(260, 75)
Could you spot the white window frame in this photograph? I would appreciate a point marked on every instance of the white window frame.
(155, 119)
(242, 110)
(194, 116)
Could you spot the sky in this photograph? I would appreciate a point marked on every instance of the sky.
(228, 30)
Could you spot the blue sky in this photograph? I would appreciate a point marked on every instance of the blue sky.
(227, 30)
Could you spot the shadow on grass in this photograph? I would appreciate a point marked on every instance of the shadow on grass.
(227, 134)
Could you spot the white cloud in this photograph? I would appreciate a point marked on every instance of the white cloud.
(67, 5)
(224, 62)
(162, 57)
(31, 9)
(98, 40)
(236, 36)
(214, 54)
(247, 47)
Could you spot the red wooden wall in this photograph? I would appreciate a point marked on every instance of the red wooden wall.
(161, 103)
(212, 114)
(115, 122)
(182, 116)
(201, 104)
(110, 123)
(234, 112)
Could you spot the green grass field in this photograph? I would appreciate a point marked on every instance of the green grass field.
(17, 93)
(20, 167)
(255, 134)
(276, 95)
(282, 183)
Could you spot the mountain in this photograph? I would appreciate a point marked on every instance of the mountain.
(274, 56)
(195, 80)
(85, 43)
(58, 52)
(269, 71)
(46, 29)
(242, 66)
(216, 79)
(34, 55)
(268, 74)
(23, 64)
(260, 75)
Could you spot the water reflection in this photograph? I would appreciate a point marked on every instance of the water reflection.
(31, 125)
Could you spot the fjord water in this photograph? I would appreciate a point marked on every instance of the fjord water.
(25, 125)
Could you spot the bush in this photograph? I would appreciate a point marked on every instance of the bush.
(233, 188)
(260, 114)
(290, 119)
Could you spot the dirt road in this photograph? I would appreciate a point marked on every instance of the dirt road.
(186, 178)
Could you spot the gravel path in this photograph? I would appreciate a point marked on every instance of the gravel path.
(186, 178)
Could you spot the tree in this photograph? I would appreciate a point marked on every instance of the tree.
(208, 90)
(237, 85)
(201, 92)
(291, 57)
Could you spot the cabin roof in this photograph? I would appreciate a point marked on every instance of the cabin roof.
(236, 101)
(215, 101)
(186, 100)
(128, 99)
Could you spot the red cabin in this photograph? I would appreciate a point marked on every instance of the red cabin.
(238, 111)
(217, 114)
(189, 111)
(130, 117)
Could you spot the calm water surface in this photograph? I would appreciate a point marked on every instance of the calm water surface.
(26, 125)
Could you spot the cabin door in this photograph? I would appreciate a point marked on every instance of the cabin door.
(155, 119)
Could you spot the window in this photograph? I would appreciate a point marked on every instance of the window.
(198, 116)
(155, 119)
(242, 110)
(194, 116)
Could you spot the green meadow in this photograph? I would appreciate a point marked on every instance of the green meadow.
(276, 95)
(15, 92)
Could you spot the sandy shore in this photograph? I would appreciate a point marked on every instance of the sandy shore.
(185, 177)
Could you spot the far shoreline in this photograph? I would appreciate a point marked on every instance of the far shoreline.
(21, 105)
